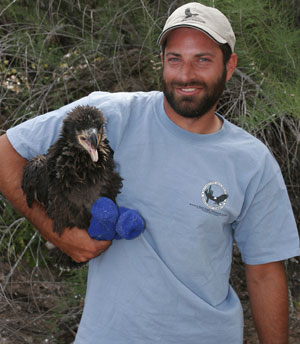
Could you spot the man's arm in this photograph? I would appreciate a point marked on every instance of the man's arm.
(267, 287)
(76, 243)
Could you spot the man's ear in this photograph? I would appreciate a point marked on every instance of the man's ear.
(231, 65)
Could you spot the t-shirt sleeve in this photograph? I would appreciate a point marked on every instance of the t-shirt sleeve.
(266, 230)
(36, 135)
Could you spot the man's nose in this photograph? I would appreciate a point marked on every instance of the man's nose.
(187, 73)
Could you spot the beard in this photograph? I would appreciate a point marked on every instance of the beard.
(191, 106)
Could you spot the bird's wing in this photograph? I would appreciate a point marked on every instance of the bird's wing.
(35, 180)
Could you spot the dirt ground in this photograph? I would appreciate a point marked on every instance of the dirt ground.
(34, 310)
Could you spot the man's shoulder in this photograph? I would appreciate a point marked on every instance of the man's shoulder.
(246, 146)
(122, 98)
(245, 139)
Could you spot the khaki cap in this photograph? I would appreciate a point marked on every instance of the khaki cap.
(206, 19)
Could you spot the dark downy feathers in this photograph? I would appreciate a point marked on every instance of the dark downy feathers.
(76, 171)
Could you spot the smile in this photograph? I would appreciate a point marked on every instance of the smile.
(189, 90)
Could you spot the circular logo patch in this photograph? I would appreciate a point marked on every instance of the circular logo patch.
(214, 195)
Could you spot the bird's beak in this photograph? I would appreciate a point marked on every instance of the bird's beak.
(93, 140)
(89, 141)
(92, 149)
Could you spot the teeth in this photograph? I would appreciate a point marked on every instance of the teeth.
(188, 89)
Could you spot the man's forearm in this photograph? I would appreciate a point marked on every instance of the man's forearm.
(268, 293)
(10, 186)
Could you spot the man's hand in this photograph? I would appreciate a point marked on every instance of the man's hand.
(75, 242)
(268, 293)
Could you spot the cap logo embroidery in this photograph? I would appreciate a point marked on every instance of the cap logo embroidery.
(188, 13)
(192, 16)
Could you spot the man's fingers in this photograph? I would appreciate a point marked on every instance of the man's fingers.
(77, 244)
(99, 247)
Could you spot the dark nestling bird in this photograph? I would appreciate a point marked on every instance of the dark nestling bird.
(77, 169)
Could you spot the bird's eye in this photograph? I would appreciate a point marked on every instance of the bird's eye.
(81, 139)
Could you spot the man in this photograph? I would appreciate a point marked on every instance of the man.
(199, 181)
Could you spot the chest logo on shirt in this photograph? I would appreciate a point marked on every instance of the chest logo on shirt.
(214, 195)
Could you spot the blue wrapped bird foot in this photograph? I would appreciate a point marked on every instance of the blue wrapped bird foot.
(129, 225)
(109, 222)
(105, 214)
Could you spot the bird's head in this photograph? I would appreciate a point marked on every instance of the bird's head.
(84, 127)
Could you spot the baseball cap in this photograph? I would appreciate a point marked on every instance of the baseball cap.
(206, 19)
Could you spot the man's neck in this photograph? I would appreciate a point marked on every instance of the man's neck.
(207, 124)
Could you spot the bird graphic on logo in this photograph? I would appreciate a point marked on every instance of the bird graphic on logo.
(214, 195)
(210, 196)
(189, 14)
(192, 16)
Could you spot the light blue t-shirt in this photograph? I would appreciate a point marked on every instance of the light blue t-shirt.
(197, 194)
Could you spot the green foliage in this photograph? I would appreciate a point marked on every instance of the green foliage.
(68, 310)
(60, 51)
(18, 238)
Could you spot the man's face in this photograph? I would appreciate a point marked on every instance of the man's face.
(194, 75)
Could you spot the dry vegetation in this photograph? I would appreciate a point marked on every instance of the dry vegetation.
(52, 53)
